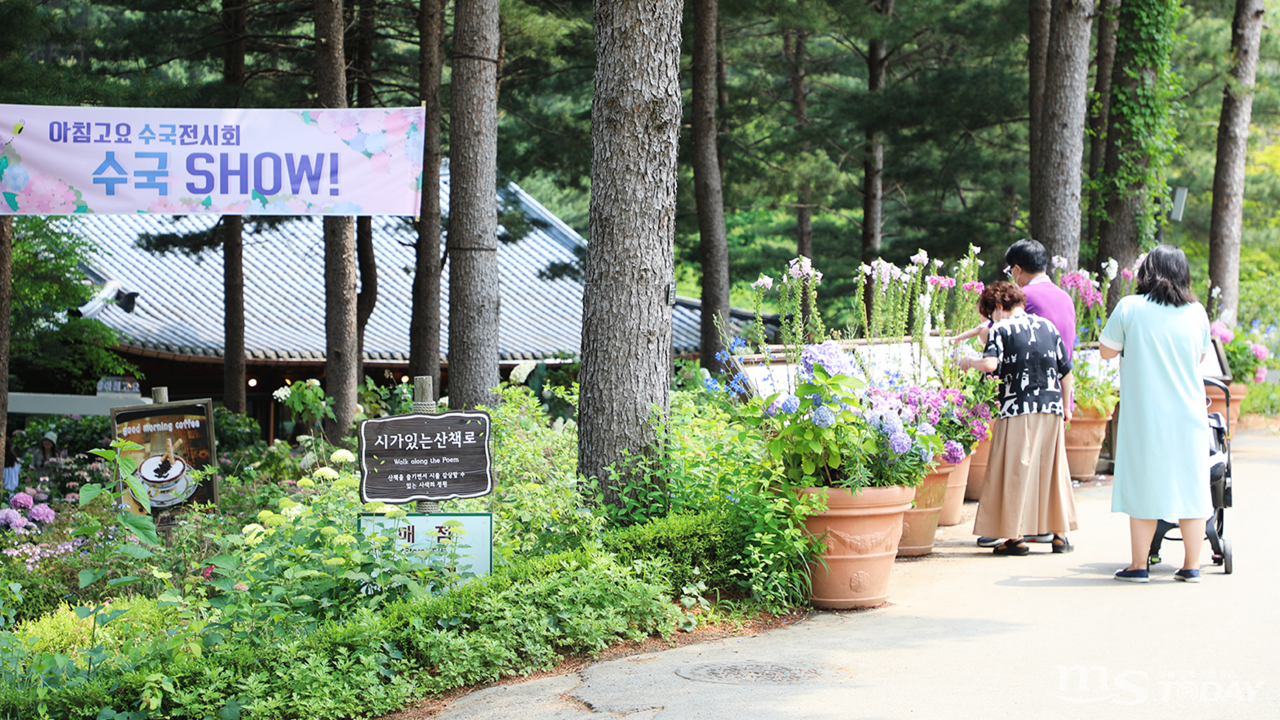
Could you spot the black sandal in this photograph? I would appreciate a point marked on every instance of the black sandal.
(1062, 545)
(1012, 547)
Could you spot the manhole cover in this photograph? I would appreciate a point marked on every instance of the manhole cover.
(751, 673)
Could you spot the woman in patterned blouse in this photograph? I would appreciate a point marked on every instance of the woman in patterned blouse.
(1028, 486)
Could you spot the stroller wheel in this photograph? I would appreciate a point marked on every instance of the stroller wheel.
(1226, 556)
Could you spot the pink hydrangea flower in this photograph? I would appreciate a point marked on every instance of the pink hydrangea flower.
(1218, 329)
(1260, 351)
(21, 501)
(42, 513)
(1260, 375)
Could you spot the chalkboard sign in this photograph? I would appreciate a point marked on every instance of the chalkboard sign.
(405, 458)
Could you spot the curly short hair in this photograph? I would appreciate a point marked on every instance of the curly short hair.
(1003, 295)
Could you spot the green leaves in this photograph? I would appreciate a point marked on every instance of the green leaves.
(141, 525)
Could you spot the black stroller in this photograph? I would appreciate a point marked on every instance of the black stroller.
(1219, 489)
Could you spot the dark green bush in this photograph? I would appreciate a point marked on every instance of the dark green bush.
(710, 541)
(236, 433)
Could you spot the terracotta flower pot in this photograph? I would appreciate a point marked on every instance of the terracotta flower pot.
(1084, 441)
(920, 524)
(957, 485)
(861, 533)
(1218, 401)
(977, 470)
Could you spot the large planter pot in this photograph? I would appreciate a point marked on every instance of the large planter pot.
(1218, 401)
(957, 485)
(977, 470)
(1085, 434)
(861, 533)
(920, 524)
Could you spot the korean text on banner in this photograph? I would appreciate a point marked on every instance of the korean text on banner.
(67, 160)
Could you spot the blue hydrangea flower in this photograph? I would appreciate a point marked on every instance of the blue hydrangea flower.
(829, 355)
(790, 404)
(823, 417)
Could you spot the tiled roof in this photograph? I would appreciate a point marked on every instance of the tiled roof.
(179, 310)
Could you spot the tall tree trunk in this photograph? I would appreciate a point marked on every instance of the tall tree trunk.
(234, 380)
(1134, 78)
(367, 263)
(473, 209)
(1040, 13)
(707, 189)
(1225, 225)
(873, 160)
(424, 327)
(341, 350)
(365, 258)
(6, 308)
(1056, 202)
(1105, 60)
(795, 47)
(626, 316)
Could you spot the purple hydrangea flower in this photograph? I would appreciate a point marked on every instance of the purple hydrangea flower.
(829, 355)
(12, 520)
(925, 429)
(952, 452)
(21, 501)
(42, 513)
(899, 442)
(823, 417)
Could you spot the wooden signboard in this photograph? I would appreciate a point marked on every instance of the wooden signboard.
(176, 438)
(407, 458)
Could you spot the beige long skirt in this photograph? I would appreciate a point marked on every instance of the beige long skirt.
(1027, 490)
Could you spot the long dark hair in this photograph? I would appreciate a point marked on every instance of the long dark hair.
(1165, 277)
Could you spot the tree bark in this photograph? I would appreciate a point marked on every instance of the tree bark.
(234, 380)
(365, 257)
(794, 46)
(1060, 155)
(6, 309)
(707, 189)
(1118, 229)
(626, 315)
(1105, 60)
(368, 297)
(341, 349)
(1227, 215)
(473, 210)
(1040, 13)
(424, 327)
(873, 160)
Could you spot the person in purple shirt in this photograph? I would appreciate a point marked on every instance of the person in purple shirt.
(1027, 263)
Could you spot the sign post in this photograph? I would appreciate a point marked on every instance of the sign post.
(177, 438)
(426, 458)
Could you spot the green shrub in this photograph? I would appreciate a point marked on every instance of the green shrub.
(77, 434)
(524, 616)
(712, 542)
(1262, 398)
(236, 433)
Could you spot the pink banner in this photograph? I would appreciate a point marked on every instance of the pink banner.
(67, 160)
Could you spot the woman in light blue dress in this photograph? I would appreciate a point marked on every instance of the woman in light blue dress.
(1162, 443)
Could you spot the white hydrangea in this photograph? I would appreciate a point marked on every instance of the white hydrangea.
(313, 382)
(521, 372)
(342, 455)
(325, 473)
(282, 394)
